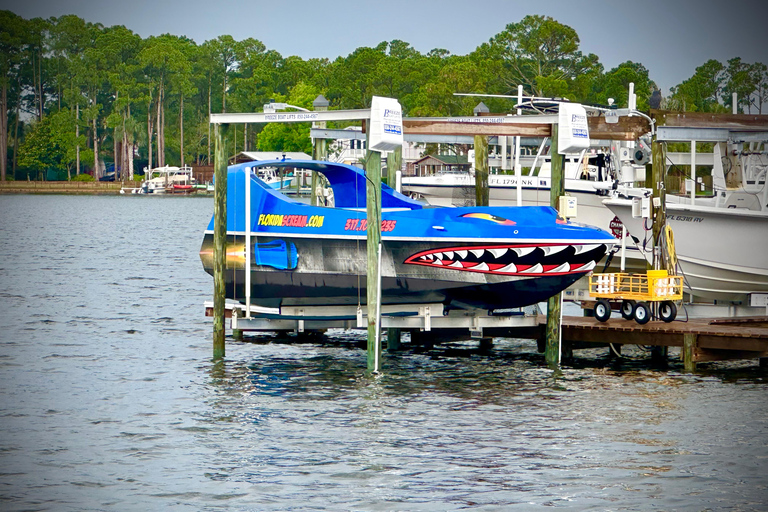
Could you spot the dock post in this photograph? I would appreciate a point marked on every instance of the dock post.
(393, 339)
(219, 239)
(319, 147)
(482, 192)
(394, 162)
(237, 334)
(552, 352)
(689, 346)
(373, 208)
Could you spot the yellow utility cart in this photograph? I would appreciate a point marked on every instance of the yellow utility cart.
(635, 291)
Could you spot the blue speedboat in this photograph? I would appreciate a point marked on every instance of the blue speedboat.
(469, 257)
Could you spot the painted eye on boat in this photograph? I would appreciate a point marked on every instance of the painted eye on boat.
(490, 217)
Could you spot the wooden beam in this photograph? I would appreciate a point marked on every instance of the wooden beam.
(707, 354)
(411, 127)
(628, 337)
(628, 128)
(742, 122)
(733, 343)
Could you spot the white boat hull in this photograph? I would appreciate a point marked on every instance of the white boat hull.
(459, 190)
(723, 252)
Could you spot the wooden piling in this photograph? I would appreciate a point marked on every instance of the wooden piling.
(658, 169)
(318, 153)
(373, 207)
(688, 352)
(219, 239)
(393, 339)
(552, 352)
(482, 192)
(394, 163)
(319, 150)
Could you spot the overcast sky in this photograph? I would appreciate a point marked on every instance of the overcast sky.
(669, 37)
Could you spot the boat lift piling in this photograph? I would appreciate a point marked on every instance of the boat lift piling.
(658, 168)
(373, 246)
(482, 190)
(553, 347)
(319, 147)
(219, 237)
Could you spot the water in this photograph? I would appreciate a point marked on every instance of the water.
(110, 400)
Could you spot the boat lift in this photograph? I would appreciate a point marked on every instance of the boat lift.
(523, 126)
(421, 317)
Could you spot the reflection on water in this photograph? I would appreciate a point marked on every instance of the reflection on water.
(110, 400)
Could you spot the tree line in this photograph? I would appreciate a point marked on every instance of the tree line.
(73, 93)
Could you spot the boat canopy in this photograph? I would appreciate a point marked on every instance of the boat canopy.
(348, 182)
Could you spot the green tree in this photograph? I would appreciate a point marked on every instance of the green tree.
(164, 59)
(539, 53)
(615, 84)
(11, 43)
(290, 136)
(51, 144)
(702, 92)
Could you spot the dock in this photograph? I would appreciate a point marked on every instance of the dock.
(701, 340)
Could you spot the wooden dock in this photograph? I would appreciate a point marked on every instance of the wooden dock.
(701, 340)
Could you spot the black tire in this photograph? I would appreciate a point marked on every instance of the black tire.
(628, 309)
(603, 310)
(642, 313)
(667, 311)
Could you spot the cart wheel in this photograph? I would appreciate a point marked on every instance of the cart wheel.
(642, 313)
(667, 311)
(628, 309)
(603, 310)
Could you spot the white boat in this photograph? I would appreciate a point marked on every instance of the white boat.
(589, 184)
(721, 241)
(168, 179)
(458, 189)
(272, 178)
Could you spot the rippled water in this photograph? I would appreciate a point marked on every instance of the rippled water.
(110, 400)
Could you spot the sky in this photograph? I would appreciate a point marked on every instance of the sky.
(671, 38)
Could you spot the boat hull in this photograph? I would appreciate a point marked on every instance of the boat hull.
(469, 258)
(722, 251)
(306, 271)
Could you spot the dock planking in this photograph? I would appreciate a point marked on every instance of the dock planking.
(701, 339)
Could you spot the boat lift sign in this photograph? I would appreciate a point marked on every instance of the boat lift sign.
(573, 133)
(386, 129)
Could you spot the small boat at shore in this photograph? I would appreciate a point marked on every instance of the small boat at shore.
(168, 180)
(466, 258)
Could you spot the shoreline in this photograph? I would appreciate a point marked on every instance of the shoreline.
(75, 188)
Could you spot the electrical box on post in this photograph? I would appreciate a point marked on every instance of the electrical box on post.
(573, 131)
(641, 207)
(386, 127)
(566, 206)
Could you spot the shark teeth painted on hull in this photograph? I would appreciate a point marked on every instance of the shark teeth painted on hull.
(524, 260)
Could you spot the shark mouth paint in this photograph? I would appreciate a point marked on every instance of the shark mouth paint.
(518, 260)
